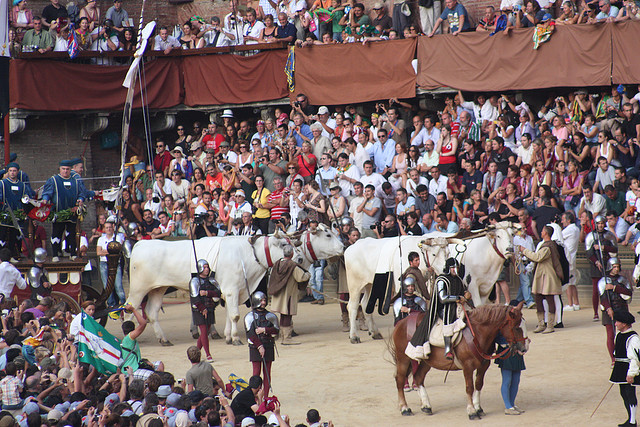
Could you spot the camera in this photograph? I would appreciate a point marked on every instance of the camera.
(200, 218)
(377, 225)
(297, 104)
(156, 199)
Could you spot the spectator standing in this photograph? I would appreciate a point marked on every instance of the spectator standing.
(52, 12)
(260, 200)
(36, 39)
(571, 237)
(201, 374)
(130, 349)
(118, 16)
(457, 17)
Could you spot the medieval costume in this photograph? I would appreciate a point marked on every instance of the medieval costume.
(286, 281)
(606, 242)
(627, 363)
(205, 295)
(615, 294)
(262, 328)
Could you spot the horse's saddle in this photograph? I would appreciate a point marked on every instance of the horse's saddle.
(436, 337)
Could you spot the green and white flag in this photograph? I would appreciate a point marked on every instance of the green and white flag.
(97, 347)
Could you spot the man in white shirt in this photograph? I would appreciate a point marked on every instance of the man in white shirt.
(430, 158)
(165, 42)
(215, 35)
(118, 296)
(9, 275)
(526, 270)
(571, 237)
(252, 28)
(432, 133)
(205, 204)
(592, 202)
(161, 186)
(358, 189)
(150, 204)
(371, 177)
(233, 24)
(328, 124)
(438, 183)
(348, 175)
(239, 206)
(418, 135)
(524, 151)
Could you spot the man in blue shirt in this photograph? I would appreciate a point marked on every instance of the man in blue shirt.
(286, 31)
(300, 129)
(457, 17)
(383, 152)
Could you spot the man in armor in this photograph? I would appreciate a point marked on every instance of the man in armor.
(262, 328)
(450, 291)
(38, 278)
(12, 189)
(627, 363)
(599, 244)
(615, 293)
(408, 302)
(64, 192)
(205, 295)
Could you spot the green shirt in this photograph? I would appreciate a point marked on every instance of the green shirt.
(43, 40)
(336, 16)
(130, 353)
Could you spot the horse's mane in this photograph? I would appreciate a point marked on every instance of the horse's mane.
(491, 313)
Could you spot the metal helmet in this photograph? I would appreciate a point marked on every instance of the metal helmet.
(613, 261)
(450, 263)
(39, 255)
(257, 298)
(201, 264)
(601, 219)
(346, 220)
(409, 281)
(132, 227)
(34, 275)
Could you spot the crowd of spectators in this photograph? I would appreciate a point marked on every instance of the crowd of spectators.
(45, 380)
(291, 21)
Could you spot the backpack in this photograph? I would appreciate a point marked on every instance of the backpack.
(564, 262)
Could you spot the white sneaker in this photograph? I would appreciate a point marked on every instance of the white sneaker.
(576, 307)
(568, 308)
(55, 259)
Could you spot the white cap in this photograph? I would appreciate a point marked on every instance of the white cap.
(323, 110)
(248, 422)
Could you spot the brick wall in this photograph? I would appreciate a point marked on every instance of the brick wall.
(169, 14)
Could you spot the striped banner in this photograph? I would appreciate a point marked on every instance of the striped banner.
(97, 347)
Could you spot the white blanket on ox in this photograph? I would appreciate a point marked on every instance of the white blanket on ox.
(390, 252)
(210, 252)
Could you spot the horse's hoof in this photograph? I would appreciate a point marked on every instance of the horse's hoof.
(215, 336)
(427, 411)
(406, 412)
(195, 335)
(355, 340)
(237, 342)
(377, 336)
(165, 343)
(480, 412)
(474, 416)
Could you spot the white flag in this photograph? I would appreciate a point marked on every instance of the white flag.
(4, 28)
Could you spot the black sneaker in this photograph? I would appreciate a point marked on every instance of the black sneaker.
(307, 298)
(559, 325)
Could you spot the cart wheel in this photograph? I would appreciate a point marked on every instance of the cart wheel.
(71, 304)
(89, 293)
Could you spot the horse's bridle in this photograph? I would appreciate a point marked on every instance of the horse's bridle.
(475, 347)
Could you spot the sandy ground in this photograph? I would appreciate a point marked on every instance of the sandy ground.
(352, 385)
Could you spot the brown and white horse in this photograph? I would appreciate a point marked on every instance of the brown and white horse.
(472, 354)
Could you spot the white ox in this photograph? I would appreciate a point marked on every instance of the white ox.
(238, 262)
(482, 257)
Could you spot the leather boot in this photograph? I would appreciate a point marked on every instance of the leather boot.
(345, 322)
(361, 323)
(286, 336)
(541, 324)
(550, 326)
(447, 348)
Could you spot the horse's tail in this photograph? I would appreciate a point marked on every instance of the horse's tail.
(391, 347)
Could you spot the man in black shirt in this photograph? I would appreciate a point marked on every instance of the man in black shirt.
(208, 228)
(247, 402)
(389, 227)
(631, 122)
(544, 214)
(382, 20)
(412, 228)
(471, 178)
(52, 12)
(503, 156)
(149, 224)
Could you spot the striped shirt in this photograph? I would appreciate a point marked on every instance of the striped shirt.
(274, 198)
(10, 387)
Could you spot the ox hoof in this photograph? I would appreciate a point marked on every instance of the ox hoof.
(165, 343)
(355, 340)
(228, 341)
(237, 342)
(406, 412)
(195, 335)
(215, 336)
(377, 336)
(427, 411)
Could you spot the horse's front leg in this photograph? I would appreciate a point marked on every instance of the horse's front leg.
(419, 378)
(468, 380)
(402, 367)
(478, 387)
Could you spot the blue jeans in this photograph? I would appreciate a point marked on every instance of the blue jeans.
(317, 279)
(524, 293)
(117, 297)
(509, 388)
